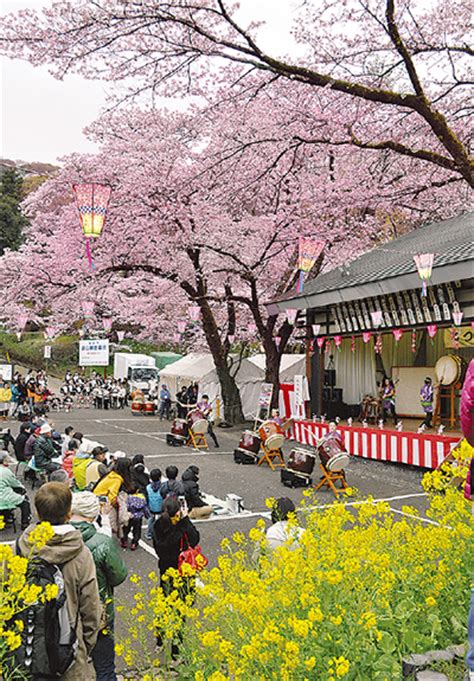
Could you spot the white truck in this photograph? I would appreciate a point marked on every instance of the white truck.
(140, 370)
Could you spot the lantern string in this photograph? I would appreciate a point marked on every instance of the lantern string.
(89, 255)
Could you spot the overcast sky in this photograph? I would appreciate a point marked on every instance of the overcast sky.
(42, 118)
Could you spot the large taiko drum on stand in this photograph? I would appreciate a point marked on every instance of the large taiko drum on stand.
(179, 429)
(250, 442)
(449, 369)
(271, 435)
(333, 454)
(197, 422)
(301, 461)
(149, 408)
(137, 408)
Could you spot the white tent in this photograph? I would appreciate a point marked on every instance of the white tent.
(291, 366)
(199, 368)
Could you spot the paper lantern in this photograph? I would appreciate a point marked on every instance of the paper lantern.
(107, 324)
(398, 333)
(181, 326)
(424, 265)
(316, 328)
(320, 341)
(120, 336)
(194, 311)
(309, 251)
(92, 200)
(291, 316)
(378, 344)
(432, 329)
(50, 331)
(457, 318)
(366, 336)
(376, 316)
(88, 307)
(22, 320)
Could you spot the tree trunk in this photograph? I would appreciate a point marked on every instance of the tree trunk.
(230, 392)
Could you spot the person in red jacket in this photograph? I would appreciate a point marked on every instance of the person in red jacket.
(69, 456)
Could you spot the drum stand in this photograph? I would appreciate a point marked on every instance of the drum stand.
(269, 456)
(329, 479)
(196, 440)
(449, 392)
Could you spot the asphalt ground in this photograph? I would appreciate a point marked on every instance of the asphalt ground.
(219, 476)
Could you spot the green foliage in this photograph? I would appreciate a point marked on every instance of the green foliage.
(12, 220)
(29, 351)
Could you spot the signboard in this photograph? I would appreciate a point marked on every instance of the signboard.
(265, 398)
(301, 393)
(94, 353)
(6, 371)
(47, 352)
(464, 338)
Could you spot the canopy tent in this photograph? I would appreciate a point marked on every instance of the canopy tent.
(291, 366)
(162, 359)
(199, 368)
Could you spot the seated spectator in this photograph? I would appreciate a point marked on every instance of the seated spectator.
(60, 476)
(12, 492)
(20, 442)
(155, 500)
(140, 476)
(24, 410)
(111, 571)
(281, 530)
(197, 507)
(96, 467)
(68, 431)
(67, 549)
(69, 455)
(172, 487)
(44, 450)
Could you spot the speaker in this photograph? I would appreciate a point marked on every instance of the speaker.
(330, 378)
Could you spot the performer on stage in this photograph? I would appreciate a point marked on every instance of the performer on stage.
(206, 408)
(426, 399)
(388, 400)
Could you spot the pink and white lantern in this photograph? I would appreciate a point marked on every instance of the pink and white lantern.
(50, 332)
(457, 318)
(316, 328)
(337, 342)
(22, 320)
(88, 307)
(366, 336)
(320, 341)
(424, 265)
(291, 316)
(231, 338)
(397, 334)
(107, 324)
(181, 326)
(193, 311)
(432, 329)
(120, 336)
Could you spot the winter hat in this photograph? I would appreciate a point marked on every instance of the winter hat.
(45, 428)
(4, 456)
(85, 504)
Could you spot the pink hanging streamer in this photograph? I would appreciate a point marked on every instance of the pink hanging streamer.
(89, 255)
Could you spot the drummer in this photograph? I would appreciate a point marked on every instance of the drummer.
(205, 407)
(276, 417)
(181, 402)
(426, 399)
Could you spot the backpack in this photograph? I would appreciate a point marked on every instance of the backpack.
(79, 469)
(48, 641)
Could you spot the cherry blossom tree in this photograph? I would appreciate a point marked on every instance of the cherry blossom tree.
(404, 64)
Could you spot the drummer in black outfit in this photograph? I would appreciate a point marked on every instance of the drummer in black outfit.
(182, 402)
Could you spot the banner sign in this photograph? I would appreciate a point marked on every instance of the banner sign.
(6, 371)
(94, 353)
(266, 392)
(463, 338)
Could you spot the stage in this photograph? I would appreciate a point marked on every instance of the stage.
(424, 450)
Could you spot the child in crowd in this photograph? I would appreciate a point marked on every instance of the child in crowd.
(138, 509)
(155, 500)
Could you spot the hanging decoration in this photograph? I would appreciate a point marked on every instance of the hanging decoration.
(378, 344)
(291, 316)
(92, 200)
(277, 340)
(432, 329)
(413, 341)
(353, 344)
(181, 326)
(316, 328)
(87, 308)
(320, 341)
(454, 338)
(120, 336)
(397, 333)
(376, 316)
(107, 324)
(22, 320)
(18, 336)
(337, 342)
(311, 346)
(50, 332)
(193, 311)
(309, 251)
(472, 326)
(424, 264)
(457, 318)
(366, 336)
(327, 347)
(230, 338)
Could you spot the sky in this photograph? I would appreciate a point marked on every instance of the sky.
(42, 118)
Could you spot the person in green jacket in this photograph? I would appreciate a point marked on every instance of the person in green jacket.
(12, 492)
(111, 571)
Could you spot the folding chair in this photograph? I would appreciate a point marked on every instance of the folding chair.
(330, 478)
(269, 456)
(196, 440)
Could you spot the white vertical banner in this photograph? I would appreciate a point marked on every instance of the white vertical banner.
(47, 352)
(300, 394)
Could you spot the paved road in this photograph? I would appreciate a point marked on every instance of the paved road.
(219, 476)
